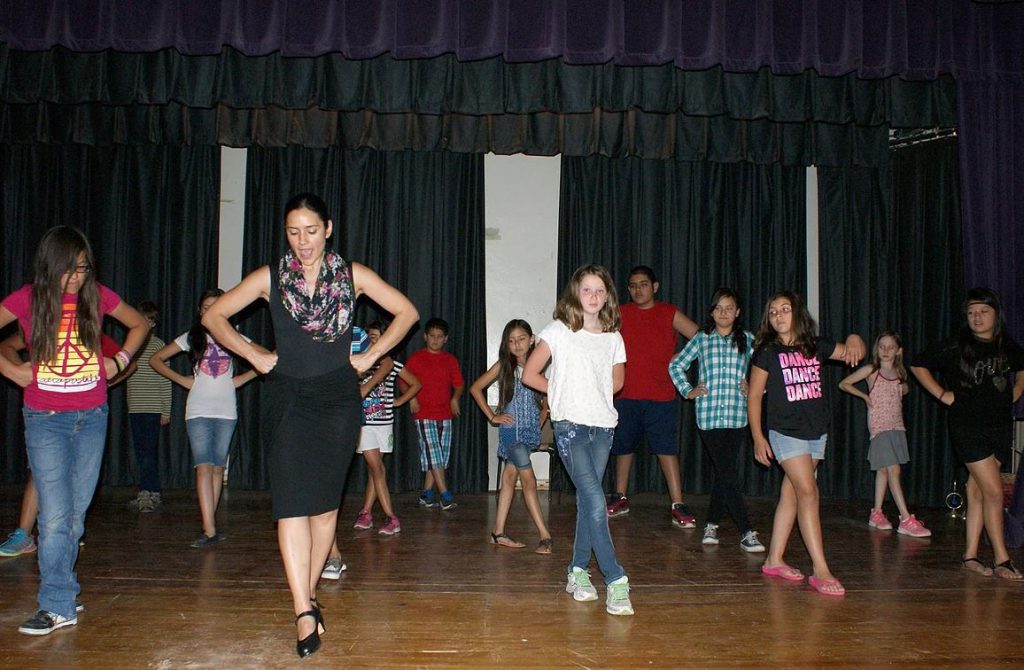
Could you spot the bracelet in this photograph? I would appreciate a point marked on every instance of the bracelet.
(944, 392)
(124, 357)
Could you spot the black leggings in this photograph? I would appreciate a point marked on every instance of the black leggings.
(722, 445)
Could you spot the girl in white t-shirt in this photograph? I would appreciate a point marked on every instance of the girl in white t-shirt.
(210, 412)
(587, 368)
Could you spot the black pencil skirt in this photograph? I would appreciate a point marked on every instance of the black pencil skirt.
(312, 429)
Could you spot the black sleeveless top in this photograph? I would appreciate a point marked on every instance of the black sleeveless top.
(298, 354)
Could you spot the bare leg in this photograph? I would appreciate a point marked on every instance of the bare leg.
(439, 480)
(29, 506)
(207, 490)
(370, 496)
(623, 464)
(782, 524)
(505, 495)
(800, 472)
(532, 501)
(670, 468)
(881, 484)
(428, 480)
(974, 516)
(322, 530)
(295, 541)
(377, 485)
(897, 491)
(989, 484)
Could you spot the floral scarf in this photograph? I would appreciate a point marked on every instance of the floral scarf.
(328, 313)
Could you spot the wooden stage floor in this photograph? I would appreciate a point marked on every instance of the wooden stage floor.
(439, 595)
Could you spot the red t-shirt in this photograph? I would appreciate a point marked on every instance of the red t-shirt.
(439, 373)
(75, 379)
(650, 344)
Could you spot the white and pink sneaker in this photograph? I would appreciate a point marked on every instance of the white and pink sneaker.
(878, 520)
(912, 527)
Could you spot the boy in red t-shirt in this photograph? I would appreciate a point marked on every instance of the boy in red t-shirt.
(433, 409)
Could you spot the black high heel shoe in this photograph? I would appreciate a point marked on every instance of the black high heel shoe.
(319, 615)
(308, 645)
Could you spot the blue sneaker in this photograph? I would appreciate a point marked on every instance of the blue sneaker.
(448, 501)
(19, 542)
(427, 500)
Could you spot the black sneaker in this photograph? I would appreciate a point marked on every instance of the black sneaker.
(205, 540)
(79, 607)
(448, 502)
(44, 623)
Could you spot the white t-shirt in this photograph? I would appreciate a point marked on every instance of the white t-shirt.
(580, 374)
(213, 391)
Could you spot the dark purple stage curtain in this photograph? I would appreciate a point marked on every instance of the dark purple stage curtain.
(915, 39)
(992, 191)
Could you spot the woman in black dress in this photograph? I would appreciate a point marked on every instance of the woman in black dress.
(312, 417)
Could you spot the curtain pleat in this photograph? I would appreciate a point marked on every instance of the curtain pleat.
(150, 213)
(891, 257)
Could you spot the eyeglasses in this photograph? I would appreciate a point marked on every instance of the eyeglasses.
(82, 269)
(785, 309)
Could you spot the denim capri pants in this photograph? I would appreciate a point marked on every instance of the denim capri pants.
(210, 440)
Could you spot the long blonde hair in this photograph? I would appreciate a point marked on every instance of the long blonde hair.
(569, 311)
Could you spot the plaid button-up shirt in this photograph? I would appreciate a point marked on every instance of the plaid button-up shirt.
(721, 369)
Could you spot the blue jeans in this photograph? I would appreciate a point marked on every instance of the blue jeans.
(65, 450)
(584, 451)
(210, 440)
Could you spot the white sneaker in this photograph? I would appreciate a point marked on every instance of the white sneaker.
(617, 602)
(751, 544)
(580, 586)
(710, 534)
(333, 569)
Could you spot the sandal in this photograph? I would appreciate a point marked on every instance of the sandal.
(827, 587)
(783, 571)
(544, 546)
(976, 566)
(503, 540)
(1006, 570)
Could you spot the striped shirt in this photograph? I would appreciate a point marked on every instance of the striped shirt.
(148, 391)
(721, 369)
(379, 403)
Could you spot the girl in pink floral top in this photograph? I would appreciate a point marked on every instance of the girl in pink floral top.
(886, 379)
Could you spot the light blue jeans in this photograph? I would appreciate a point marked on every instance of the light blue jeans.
(65, 450)
(584, 451)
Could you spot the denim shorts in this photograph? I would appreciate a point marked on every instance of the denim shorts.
(518, 454)
(210, 440)
(784, 446)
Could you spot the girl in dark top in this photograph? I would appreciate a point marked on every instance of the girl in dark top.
(786, 372)
(313, 388)
(981, 381)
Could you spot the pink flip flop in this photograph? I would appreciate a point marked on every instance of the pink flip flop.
(822, 586)
(783, 571)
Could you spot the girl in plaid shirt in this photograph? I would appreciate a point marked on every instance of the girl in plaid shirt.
(723, 349)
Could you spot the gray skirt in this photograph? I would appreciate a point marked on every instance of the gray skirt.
(888, 448)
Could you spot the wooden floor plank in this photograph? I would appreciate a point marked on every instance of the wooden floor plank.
(439, 595)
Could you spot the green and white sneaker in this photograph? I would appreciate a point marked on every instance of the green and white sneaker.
(17, 543)
(617, 602)
(580, 586)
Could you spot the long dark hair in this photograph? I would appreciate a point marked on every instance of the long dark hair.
(805, 330)
(968, 343)
(507, 364)
(197, 336)
(57, 256)
(739, 336)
